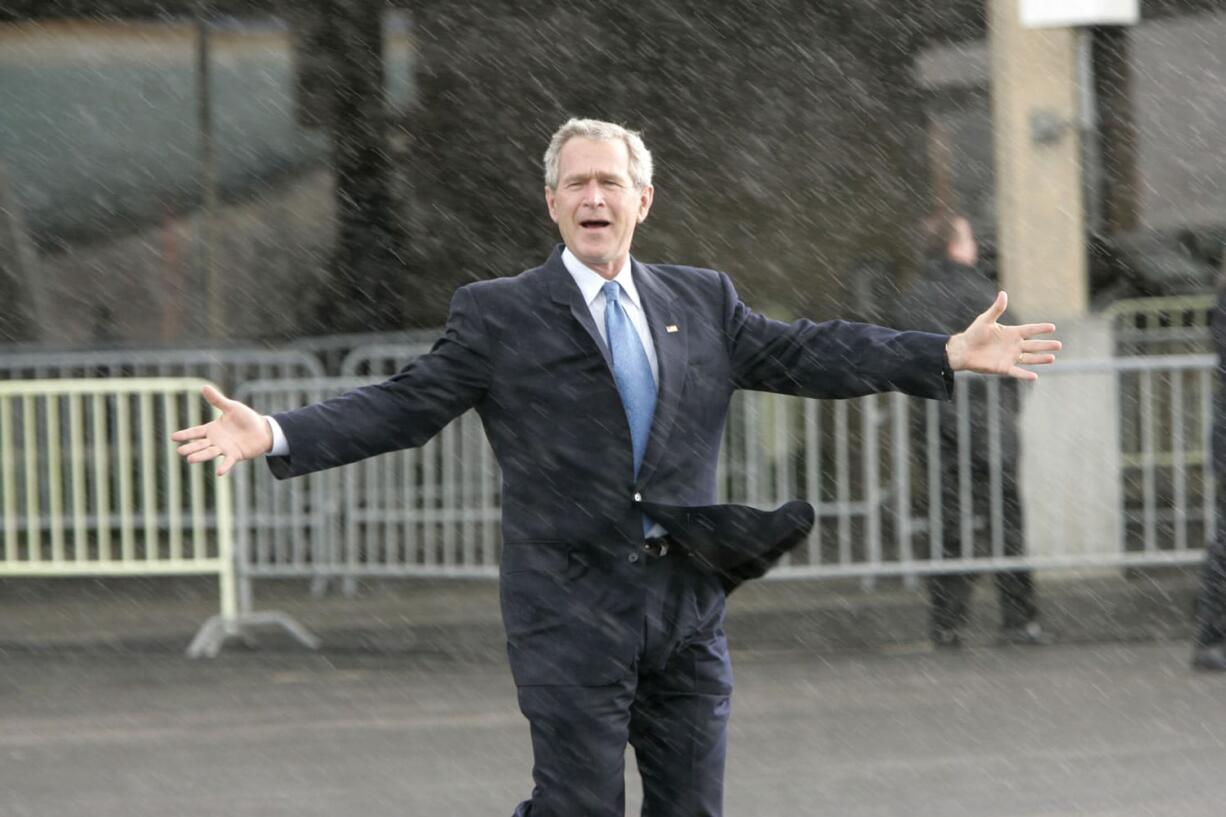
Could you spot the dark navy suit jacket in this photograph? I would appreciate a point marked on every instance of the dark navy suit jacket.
(525, 353)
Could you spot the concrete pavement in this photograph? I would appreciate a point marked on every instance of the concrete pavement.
(409, 709)
(1061, 730)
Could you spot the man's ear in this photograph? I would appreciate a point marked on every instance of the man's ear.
(646, 196)
(551, 204)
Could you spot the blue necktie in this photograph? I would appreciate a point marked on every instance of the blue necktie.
(632, 371)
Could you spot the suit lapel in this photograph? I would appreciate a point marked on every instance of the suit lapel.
(668, 333)
(672, 353)
(565, 292)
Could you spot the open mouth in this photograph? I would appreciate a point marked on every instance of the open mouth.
(593, 224)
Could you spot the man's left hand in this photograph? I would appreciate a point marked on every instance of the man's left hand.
(989, 348)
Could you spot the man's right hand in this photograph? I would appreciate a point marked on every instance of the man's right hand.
(988, 347)
(238, 434)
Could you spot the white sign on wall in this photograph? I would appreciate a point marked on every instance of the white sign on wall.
(1065, 13)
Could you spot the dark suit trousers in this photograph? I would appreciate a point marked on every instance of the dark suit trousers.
(672, 707)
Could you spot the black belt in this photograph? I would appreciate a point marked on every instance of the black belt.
(657, 545)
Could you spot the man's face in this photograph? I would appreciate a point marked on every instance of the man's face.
(964, 249)
(596, 206)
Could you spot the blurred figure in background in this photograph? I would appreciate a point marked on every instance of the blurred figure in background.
(945, 296)
(1209, 647)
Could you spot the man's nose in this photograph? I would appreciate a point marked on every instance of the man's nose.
(593, 195)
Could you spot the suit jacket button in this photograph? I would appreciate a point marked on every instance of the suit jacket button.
(632, 558)
(638, 497)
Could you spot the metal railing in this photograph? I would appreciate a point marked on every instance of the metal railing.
(871, 467)
(91, 485)
(432, 511)
(1166, 417)
(332, 350)
(379, 360)
(1176, 324)
(225, 367)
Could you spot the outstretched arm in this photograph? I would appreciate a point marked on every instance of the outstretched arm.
(990, 348)
(238, 434)
(404, 411)
(831, 360)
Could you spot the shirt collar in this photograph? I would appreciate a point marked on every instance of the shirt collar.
(589, 281)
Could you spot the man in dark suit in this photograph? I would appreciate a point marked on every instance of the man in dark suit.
(950, 291)
(603, 384)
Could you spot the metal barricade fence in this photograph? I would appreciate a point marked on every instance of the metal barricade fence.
(1177, 324)
(331, 350)
(1150, 403)
(286, 528)
(871, 467)
(91, 484)
(427, 511)
(1166, 418)
(379, 360)
(225, 367)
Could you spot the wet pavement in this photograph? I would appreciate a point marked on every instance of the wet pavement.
(409, 709)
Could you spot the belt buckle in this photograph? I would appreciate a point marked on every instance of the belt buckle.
(657, 546)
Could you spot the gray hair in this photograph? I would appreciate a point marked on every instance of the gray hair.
(640, 156)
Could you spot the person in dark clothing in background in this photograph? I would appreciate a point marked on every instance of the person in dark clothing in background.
(1209, 647)
(945, 296)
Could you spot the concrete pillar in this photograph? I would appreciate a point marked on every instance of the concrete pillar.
(1070, 454)
(1070, 465)
(1038, 147)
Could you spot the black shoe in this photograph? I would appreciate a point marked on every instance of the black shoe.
(1029, 634)
(946, 639)
(1211, 658)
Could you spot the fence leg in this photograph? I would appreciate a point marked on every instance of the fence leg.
(213, 633)
(231, 623)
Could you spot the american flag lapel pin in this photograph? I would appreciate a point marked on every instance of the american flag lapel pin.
(671, 328)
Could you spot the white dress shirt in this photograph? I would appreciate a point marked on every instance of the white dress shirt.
(590, 283)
